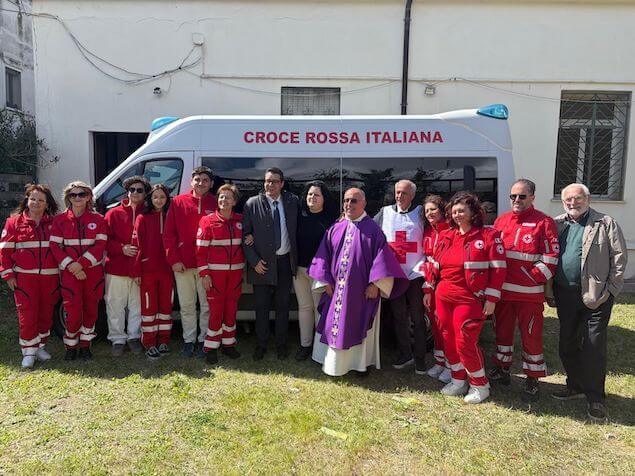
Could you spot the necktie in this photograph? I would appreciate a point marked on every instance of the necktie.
(276, 225)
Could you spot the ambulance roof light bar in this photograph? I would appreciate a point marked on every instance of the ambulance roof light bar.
(496, 111)
(159, 122)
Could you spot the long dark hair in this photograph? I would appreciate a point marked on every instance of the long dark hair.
(51, 204)
(472, 202)
(438, 201)
(149, 208)
(330, 205)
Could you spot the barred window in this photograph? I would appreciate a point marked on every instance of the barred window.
(592, 142)
(13, 86)
(310, 101)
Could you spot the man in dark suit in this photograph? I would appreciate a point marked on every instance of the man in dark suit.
(271, 219)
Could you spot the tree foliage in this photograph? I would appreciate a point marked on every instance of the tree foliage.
(20, 148)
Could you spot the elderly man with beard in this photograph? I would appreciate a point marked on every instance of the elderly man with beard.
(589, 276)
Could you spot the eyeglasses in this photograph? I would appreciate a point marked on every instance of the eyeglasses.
(136, 190)
(576, 198)
(350, 200)
(273, 182)
(520, 196)
(78, 195)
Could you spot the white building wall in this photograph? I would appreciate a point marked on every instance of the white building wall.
(16, 49)
(521, 53)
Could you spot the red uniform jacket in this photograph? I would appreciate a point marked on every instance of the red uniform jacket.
(531, 243)
(120, 221)
(431, 236)
(181, 225)
(82, 239)
(148, 237)
(218, 246)
(24, 247)
(483, 261)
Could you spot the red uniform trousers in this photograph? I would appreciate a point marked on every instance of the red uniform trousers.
(35, 298)
(530, 322)
(157, 296)
(437, 335)
(223, 305)
(461, 324)
(81, 301)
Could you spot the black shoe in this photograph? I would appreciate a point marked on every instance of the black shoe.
(403, 361)
(531, 391)
(188, 349)
(211, 356)
(231, 352)
(420, 366)
(303, 353)
(200, 350)
(597, 412)
(283, 352)
(85, 354)
(259, 353)
(568, 394)
(153, 353)
(71, 354)
(499, 375)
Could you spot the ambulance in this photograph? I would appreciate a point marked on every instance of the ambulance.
(442, 153)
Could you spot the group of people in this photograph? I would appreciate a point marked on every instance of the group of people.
(436, 259)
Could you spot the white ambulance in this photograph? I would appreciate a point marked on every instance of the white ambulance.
(442, 153)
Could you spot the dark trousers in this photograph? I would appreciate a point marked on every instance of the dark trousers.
(263, 297)
(582, 345)
(404, 308)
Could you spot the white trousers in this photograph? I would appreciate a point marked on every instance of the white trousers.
(189, 285)
(308, 300)
(122, 292)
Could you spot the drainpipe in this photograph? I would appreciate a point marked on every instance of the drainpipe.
(406, 51)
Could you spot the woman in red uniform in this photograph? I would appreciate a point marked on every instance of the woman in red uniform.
(220, 261)
(30, 270)
(467, 273)
(78, 242)
(434, 223)
(153, 274)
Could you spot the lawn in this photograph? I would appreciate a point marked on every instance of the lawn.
(128, 415)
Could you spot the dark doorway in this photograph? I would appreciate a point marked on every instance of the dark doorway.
(112, 148)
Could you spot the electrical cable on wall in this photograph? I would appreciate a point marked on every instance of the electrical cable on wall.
(140, 78)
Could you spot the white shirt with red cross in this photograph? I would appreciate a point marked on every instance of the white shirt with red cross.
(404, 232)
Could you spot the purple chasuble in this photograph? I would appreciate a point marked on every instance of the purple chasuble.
(351, 256)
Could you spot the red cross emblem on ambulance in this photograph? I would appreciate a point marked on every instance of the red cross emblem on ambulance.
(401, 246)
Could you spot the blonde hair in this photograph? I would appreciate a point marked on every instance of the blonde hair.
(78, 184)
(231, 188)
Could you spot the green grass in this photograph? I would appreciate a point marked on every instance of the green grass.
(115, 416)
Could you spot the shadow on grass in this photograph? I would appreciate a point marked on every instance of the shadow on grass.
(386, 380)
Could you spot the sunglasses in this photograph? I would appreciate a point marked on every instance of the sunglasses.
(514, 196)
(78, 195)
(136, 190)
(350, 200)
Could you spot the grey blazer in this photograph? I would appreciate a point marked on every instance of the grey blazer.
(258, 221)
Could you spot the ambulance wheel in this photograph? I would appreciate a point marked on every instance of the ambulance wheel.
(59, 321)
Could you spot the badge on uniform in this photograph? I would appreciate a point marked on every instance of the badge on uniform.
(556, 247)
(528, 238)
(479, 245)
(500, 250)
(239, 226)
(92, 226)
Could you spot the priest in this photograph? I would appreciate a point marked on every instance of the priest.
(354, 267)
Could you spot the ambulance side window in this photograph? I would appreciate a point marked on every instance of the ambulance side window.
(165, 171)
(115, 193)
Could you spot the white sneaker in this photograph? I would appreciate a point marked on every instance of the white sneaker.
(28, 361)
(477, 394)
(445, 376)
(456, 388)
(435, 371)
(42, 355)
